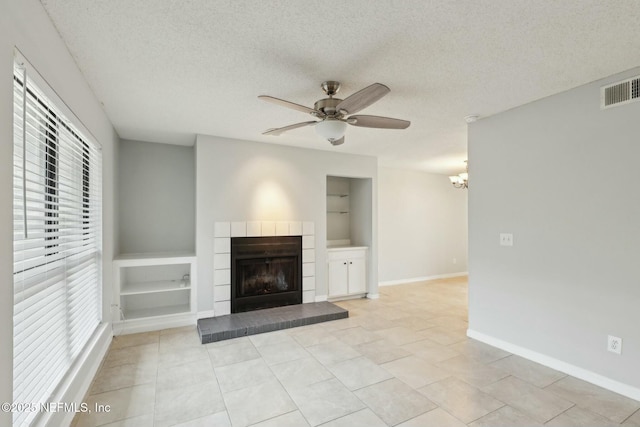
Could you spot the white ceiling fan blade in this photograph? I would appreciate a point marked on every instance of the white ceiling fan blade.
(378, 122)
(362, 99)
(278, 131)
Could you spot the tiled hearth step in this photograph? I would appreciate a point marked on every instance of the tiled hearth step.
(271, 319)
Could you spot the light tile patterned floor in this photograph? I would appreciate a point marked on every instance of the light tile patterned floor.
(403, 360)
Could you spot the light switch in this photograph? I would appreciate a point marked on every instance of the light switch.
(506, 239)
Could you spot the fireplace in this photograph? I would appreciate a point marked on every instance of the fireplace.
(265, 272)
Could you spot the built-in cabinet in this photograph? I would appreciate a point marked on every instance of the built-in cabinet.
(349, 236)
(347, 271)
(153, 291)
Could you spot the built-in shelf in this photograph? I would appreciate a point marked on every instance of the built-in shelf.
(153, 258)
(154, 290)
(142, 313)
(338, 212)
(337, 195)
(153, 287)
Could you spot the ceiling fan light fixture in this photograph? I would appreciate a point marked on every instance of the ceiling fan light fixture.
(331, 129)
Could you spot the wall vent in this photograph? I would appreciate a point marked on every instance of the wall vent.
(620, 93)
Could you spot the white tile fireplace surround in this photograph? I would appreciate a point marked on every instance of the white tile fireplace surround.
(224, 231)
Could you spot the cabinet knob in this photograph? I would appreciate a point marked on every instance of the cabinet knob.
(345, 263)
(350, 262)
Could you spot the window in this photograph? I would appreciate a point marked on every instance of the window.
(57, 243)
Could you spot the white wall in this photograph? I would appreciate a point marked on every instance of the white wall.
(422, 226)
(248, 181)
(156, 193)
(560, 175)
(24, 24)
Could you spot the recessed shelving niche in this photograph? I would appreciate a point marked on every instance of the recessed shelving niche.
(154, 291)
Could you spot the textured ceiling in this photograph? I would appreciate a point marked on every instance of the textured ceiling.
(167, 70)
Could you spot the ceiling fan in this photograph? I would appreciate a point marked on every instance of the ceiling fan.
(334, 113)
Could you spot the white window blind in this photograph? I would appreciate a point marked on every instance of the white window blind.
(57, 244)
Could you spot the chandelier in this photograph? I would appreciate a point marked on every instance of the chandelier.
(461, 180)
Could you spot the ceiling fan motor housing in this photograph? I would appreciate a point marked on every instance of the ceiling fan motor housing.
(327, 106)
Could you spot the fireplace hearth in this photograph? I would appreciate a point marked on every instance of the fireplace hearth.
(265, 272)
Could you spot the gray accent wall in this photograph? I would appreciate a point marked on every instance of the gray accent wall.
(156, 191)
(560, 175)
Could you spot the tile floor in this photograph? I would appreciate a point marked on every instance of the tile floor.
(402, 360)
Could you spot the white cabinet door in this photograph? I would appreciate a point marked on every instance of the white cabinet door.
(338, 277)
(357, 276)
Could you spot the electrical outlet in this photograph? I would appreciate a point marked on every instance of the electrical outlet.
(614, 344)
(455, 260)
(506, 239)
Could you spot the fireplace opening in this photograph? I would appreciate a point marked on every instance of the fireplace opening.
(265, 272)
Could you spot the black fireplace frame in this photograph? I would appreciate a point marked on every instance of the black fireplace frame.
(245, 248)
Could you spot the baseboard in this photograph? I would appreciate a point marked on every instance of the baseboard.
(134, 326)
(422, 279)
(559, 365)
(321, 298)
(206, 314)
(76, 384)
(373, 296)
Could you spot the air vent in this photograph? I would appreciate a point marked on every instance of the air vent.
(620, 93)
